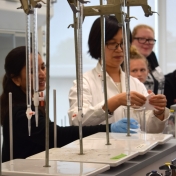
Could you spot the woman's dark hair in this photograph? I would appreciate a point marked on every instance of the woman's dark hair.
(94, 41)
(14, 62)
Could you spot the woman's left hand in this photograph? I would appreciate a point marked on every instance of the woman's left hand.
(158, 101)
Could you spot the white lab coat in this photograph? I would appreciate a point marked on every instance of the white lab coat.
(93, 101)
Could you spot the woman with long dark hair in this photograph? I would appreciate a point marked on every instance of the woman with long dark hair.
(14, 81)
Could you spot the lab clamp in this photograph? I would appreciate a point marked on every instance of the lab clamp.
(28, 5)
(116, 7)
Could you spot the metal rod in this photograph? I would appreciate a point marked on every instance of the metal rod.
(35, 64)
(78, 53)
(28, 71)
(175, 121)
(61, 122)
(76, 41)
(80, 73)
(55, 118)
(104, 73)
(125, 29)
(128, 68)
(65, 120)
(77, 68)
(10, 126)
(29, 126)
(145, 129)
(47, 82)
(0, 141)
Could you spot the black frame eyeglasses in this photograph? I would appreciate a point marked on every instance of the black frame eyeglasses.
(144, 40)
(114, 45)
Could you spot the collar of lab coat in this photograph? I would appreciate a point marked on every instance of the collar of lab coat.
(122, 77)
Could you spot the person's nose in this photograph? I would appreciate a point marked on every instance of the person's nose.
(147, 42)
(139, 73)
(118, 49)
(42, 73)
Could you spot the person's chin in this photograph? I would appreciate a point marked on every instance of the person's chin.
(141, 80)
(146, 53)
(42, 88)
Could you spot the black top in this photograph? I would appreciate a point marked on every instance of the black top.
(152, 60)
(154, 83)
(170, 88)
(25, 145)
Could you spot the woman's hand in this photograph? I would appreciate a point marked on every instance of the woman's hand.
(121, 126)
(159, 102)
(137, 99)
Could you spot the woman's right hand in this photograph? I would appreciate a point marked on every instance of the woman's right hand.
(137, 99)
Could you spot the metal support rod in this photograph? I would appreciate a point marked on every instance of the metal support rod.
(76, 26)
(47, 82)
(10, 126)
(28, 72)
(145, 128)
(175, 122)
(80, 74)
(65, 120)
(0, 141)
(35, 64)
(55, 118)
(127, 69)
(80, 138)
(76, 41)
(125, 28)
(104, 73)
(62, 122)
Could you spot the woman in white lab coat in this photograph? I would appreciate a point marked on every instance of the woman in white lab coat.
(93, 96)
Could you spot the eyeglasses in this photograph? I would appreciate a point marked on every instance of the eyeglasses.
(114, 45)
(144, 40)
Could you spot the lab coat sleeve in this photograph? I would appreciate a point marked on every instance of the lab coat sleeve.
(153, 124)
(92, 115)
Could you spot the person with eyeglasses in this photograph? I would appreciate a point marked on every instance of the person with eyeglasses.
(143, 39)
(93, 90)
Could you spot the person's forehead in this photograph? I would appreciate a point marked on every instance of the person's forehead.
(40, 60)
(144, 31)
(137, 62)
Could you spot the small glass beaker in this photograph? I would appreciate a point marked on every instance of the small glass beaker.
(137, 113)
(170, 124)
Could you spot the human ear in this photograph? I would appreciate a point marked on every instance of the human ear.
(17, 81)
